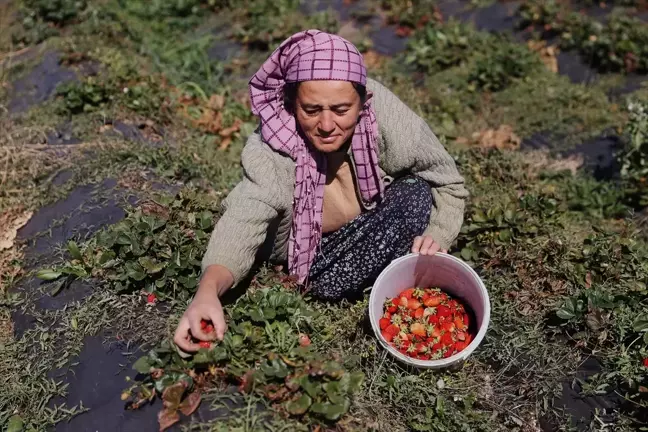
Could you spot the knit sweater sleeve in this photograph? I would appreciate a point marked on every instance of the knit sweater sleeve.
(249, 209)
(408, 145)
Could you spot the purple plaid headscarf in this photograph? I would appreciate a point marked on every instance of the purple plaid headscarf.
(305, 56)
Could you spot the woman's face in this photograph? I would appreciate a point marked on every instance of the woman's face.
(327, 112)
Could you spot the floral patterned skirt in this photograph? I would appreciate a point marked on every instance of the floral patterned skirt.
(351, 258)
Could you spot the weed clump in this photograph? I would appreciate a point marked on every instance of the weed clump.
(633, 159)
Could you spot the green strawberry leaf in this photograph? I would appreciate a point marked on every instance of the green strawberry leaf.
(300, 405)
(143, 365)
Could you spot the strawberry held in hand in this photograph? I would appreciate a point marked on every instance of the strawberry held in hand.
(425, 324)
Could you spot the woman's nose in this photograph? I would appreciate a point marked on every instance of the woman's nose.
(326, 124)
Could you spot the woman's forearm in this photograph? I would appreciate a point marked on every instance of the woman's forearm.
(216, 280)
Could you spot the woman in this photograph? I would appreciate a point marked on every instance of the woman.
(340, 179)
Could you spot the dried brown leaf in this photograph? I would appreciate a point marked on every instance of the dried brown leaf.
(227, 132)
(500, 138)
(225, 143)
(210, 121)
(172, 395)
(10, 222)
(190, 404)
(216, 102)
(167, 418)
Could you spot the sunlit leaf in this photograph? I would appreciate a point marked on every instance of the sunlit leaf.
(48, 274)
(641, 324)
(15, 424)
(300, 405)
(331, 411)
(143, 365)
(74, 250)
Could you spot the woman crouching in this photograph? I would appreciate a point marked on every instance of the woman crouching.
(340, 179)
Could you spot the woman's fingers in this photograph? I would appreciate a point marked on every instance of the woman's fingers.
(182, 337)
(416, 246)
(429, 247)
(445, 251)
(218, 320)
(196, 329)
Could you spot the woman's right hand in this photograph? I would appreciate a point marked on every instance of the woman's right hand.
(206, 306)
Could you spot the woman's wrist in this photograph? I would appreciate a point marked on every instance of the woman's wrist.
(216, 280)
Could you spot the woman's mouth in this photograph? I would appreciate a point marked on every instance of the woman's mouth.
(328, 140)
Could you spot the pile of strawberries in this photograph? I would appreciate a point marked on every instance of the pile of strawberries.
(425, 324)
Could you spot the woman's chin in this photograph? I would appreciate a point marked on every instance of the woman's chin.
(325, 147)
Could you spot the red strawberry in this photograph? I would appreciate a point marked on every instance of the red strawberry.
(433, 319)
(384, 323)
(151, 298)
(418, 329)
(469, 338)
(443, 311)
(645, 362)
(392, 329)
(424, 356)
(204, 344)
(446, 339)
(432, 301)
(452, 304)
(460, 346)
(466, 320)
(421, 347)
(459, 323)
(413, 304)
(437, 347)
(203, 324)
(419, 313)
(304, 340)
(209, 328)
(388, 336)
(449, 327)
(436, 333)
(408, 293)
(448, 353)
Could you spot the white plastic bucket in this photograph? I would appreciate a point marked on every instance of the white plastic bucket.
(443, 271)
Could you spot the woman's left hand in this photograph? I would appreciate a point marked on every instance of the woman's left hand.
(425, 245)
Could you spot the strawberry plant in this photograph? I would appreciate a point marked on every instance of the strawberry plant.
(619, 44)
(409, 15)
(262, 354)
(437, 47)
(55, 11)
(156, 249)
(267, 24)
(497, 69)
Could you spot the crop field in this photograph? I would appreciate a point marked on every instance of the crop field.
(121, 128)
